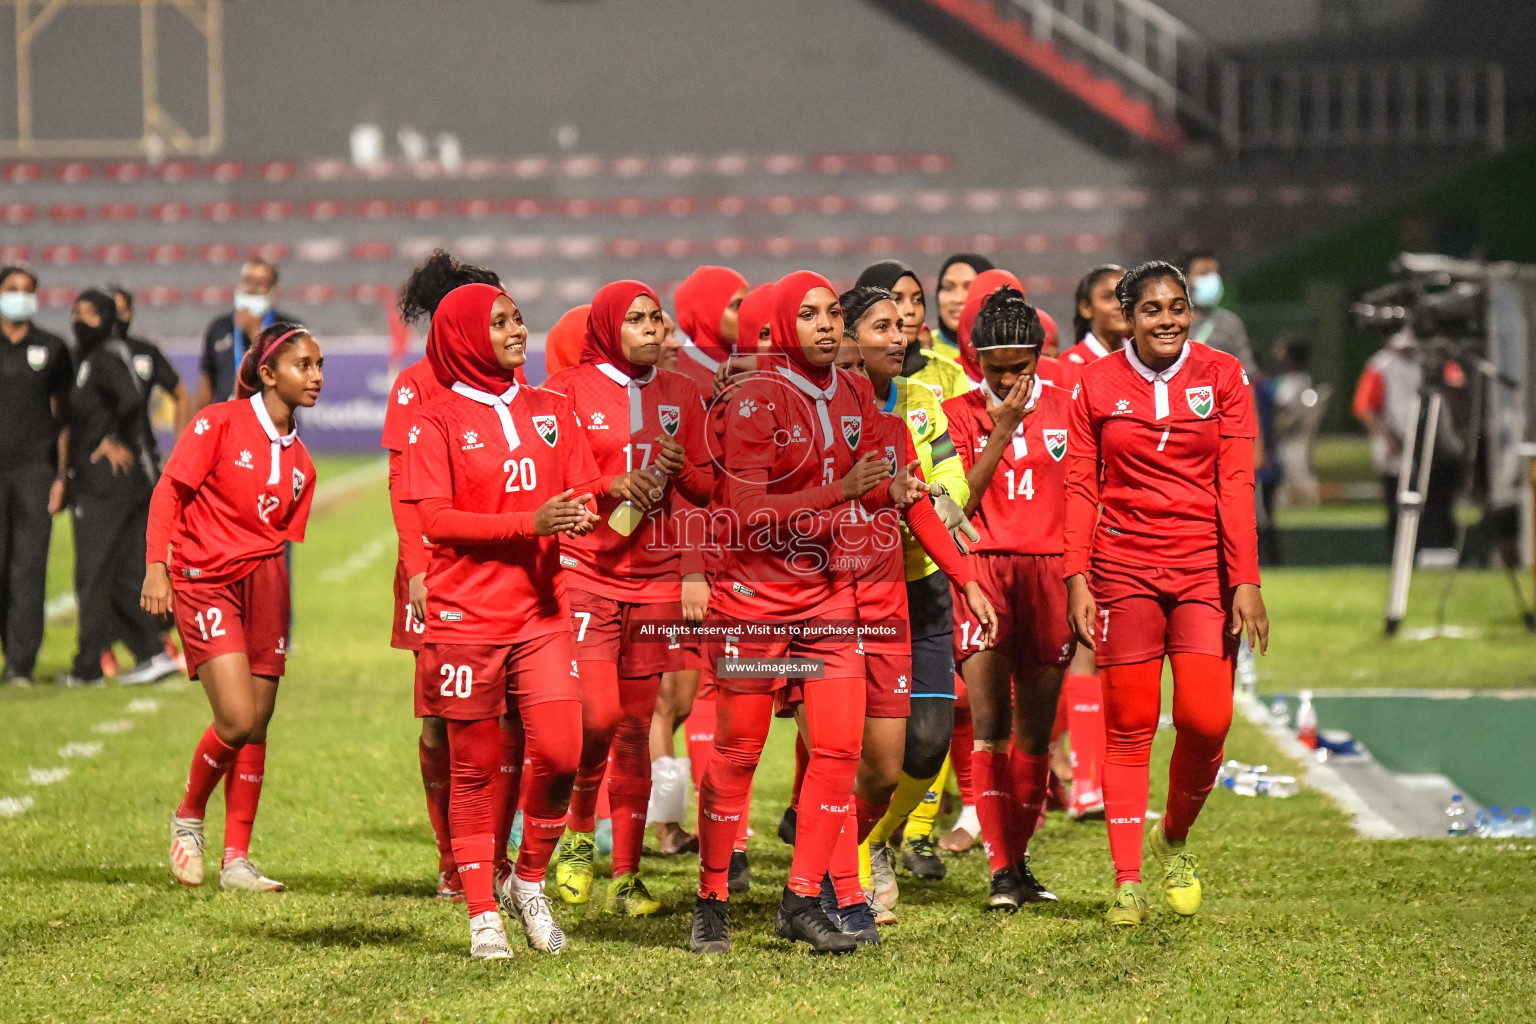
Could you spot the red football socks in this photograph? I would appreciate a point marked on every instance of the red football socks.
(475, 758)
(599, 718)
(802, 761)
(435, 781)
(1202, 714)
(242, 792)
(508, 786)
(629, 772)
(1132, 695)
(212, 758)
(553, 731)
(961, 745)
(834, 712)
(1084, 697)
(741, 728)
(994, 806)
(1030, 774)
(699, 733)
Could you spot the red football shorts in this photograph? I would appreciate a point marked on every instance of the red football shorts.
(1146, 613)
(405, 633)
(841, 656)
(248, 615)
(887, 688)
(471, 682)
(1030, 598)
(615, 631)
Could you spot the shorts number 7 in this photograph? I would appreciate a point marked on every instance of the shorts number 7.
(1103, 625)
(581, 630)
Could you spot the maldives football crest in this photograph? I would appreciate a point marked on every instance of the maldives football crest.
(1055, 443)
(1202, 400)
(919, 418)
(548, 428)
(853, 429)
(671, 418)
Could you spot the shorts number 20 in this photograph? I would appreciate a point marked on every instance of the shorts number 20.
(457, 680)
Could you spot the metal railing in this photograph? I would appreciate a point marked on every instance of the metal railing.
(1291, 106)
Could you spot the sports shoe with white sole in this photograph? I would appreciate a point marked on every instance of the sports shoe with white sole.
(449, 887)
(488, 937)
(882, 873)
(186, 857)
(150, 670)
(240, 875)
(535, 912)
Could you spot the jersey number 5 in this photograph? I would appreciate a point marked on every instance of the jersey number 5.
(457, 680)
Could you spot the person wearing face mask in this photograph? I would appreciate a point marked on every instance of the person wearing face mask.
(111, 477)
(151, 367)
(1219, 328)
(229, 336)
(36, 373)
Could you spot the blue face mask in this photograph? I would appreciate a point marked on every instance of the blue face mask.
(18, 307)
(1206, 290)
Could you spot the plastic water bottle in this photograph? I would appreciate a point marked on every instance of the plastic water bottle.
(1498, 825)
(1521, 824)
(1247, 670)
(1279, 710)
(1306, 721)
(1456, 824)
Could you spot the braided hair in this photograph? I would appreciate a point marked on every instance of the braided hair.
(1080, 323)
(857, 302)
(1136, 280)
(1007, 321)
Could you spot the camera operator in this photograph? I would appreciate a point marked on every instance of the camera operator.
(1384, 403)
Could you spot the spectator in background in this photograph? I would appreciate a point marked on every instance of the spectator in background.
(151, 367)
(1298, 408)
(111, 477)
(1212, 325)
(1384, 403)
(670, 345)
(36, 373)
(228, 336)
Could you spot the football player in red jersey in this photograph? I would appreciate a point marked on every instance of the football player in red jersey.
(438, 275)
(796, 450)
(1162, 438)
(645, 427)
(1097, 322)
(496, 470)
(236, 488)
(708, 303)
(1012, 434)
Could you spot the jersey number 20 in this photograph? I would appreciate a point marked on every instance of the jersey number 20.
(521, 475)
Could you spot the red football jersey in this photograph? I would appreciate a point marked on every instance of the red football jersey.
(643, 567)
(1156, 442)
(871, 541)
(253, 491)
(1070, 364)
(506, 592)
(1024, 507)
(697, 367)
(413, 386)
(778, 562)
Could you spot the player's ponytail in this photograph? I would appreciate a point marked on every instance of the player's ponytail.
(1007, 321)
(265, 350)
(438, 275)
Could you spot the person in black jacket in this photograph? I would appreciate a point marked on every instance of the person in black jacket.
(151, 367)
(35, 376)
(111, 477)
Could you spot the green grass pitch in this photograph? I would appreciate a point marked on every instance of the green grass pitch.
(1301, 920)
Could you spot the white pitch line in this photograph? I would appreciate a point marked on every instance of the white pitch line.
(90, 749)
(143, 706)
(46, 776)
(359, 560)
(11, 806)
(113, 726)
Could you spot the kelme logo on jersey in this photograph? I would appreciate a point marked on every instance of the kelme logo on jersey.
(671, 418)
(37, 356)
(919, 418)
(853, 429)
(1055, 443)
(1202, 400)
(548, 428)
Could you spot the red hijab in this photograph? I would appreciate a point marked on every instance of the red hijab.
(601, 343)
(756, 311)
(1052, 332)
(459, 340)
(700, 302)
(562, 345)
(987, 282)
(787, 295)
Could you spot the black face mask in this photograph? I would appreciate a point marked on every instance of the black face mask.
(89, 337)
(120, 328)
